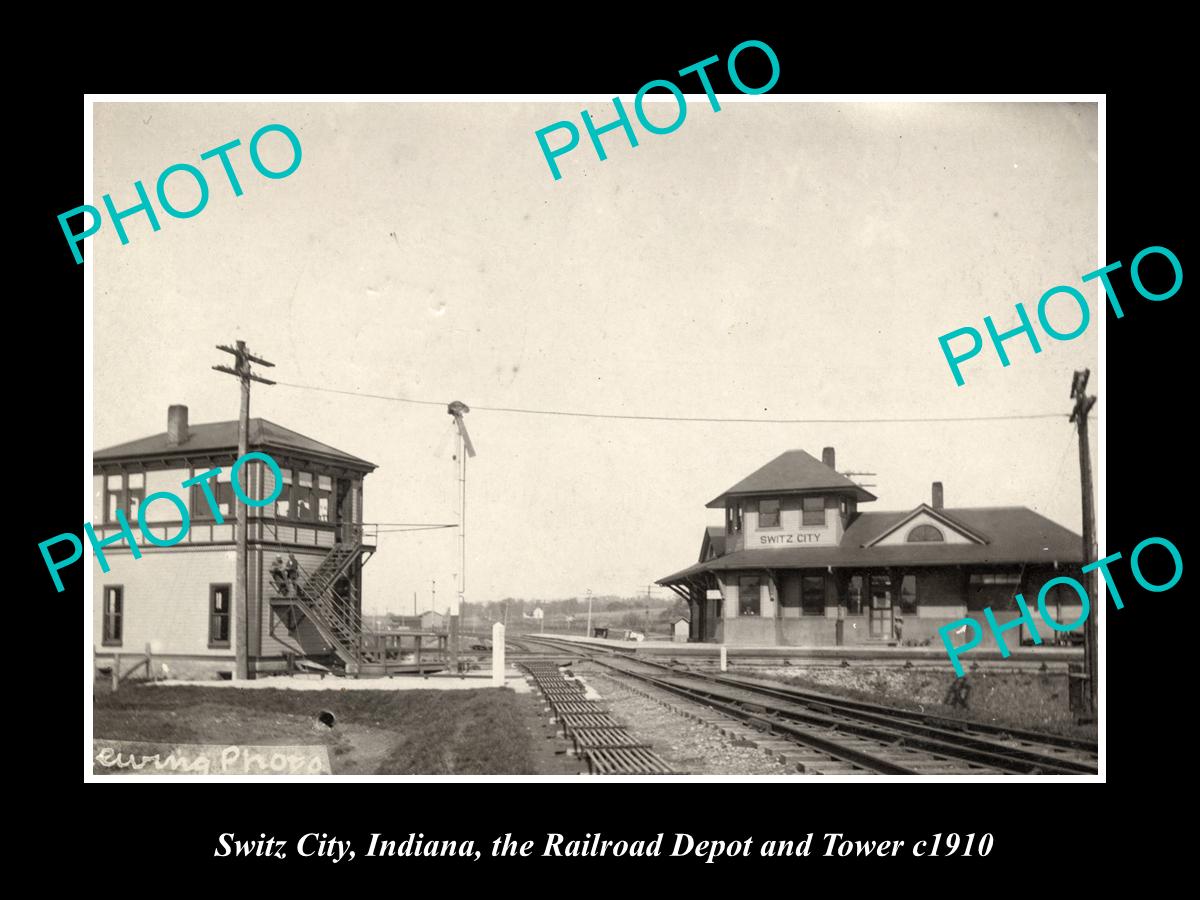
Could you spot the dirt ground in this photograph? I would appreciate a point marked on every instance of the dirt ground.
(486, 732)
(1031, 700)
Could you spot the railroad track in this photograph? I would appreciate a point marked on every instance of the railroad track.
(517, 651)
(843, 736)
(599, 739)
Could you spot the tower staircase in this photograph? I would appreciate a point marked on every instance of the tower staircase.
(337, 618)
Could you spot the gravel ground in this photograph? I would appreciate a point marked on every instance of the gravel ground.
(687, 745)
(1029, 700)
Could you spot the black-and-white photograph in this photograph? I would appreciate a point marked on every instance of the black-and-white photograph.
(510, 438)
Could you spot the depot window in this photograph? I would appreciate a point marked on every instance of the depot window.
(768, 513)
(814, 510)
(748, 596)
(925, 534)
(993, 589)
(881, 591)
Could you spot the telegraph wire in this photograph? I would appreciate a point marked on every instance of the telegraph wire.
(414, 524)
(588, 415)
(406, 530)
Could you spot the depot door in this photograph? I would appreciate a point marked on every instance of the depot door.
(880, 614)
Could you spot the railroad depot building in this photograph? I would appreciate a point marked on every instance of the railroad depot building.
(797, 563)
(180, 599)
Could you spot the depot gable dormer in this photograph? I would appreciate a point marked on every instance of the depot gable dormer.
(794, 500)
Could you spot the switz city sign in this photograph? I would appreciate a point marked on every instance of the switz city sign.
(799, 537)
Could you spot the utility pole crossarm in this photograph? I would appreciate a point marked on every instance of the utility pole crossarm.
(1083, 408)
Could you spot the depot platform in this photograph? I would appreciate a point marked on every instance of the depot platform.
(858, 653)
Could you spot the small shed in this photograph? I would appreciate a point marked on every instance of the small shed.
(432, 620)
(679, 629)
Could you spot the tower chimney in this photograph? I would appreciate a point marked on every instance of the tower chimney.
(177, 425)
(937, 495)
(827, 457)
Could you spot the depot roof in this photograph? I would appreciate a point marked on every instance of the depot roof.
(792, 472)
(223, 436)
(1012, 535)
(714, 538)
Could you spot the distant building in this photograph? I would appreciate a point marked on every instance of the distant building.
(679, 629)
(180, 599)
(797, 563)
(430, 620)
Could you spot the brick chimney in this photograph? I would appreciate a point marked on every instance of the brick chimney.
(937, 495)
(177, 425)
(827, 457)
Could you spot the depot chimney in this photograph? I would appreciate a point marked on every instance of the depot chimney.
(177, 425)
(827, 457)
(937, 495)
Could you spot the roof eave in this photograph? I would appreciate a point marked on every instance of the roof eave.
(183, 453)
(860, 493)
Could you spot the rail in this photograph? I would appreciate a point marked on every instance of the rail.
(813, 718)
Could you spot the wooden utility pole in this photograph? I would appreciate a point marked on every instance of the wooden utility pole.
(241, 617)
(1079, 415)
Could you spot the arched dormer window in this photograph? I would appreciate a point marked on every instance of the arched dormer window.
(925, 534)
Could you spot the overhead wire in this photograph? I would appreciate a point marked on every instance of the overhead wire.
(630, 416)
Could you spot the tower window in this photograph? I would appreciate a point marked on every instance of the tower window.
(114, 614)
(814, 510)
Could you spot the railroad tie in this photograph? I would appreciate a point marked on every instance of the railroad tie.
(586, 706)
(631, 761)
(587, 721)
(605, 739)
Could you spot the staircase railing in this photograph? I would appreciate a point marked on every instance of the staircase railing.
(334, 616)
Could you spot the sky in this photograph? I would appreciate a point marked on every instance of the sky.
(771, 260)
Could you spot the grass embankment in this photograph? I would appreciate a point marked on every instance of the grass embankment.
(415, 732)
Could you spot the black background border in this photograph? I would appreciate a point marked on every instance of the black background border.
(1047, 823)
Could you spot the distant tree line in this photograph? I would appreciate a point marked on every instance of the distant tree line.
(661, 609)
